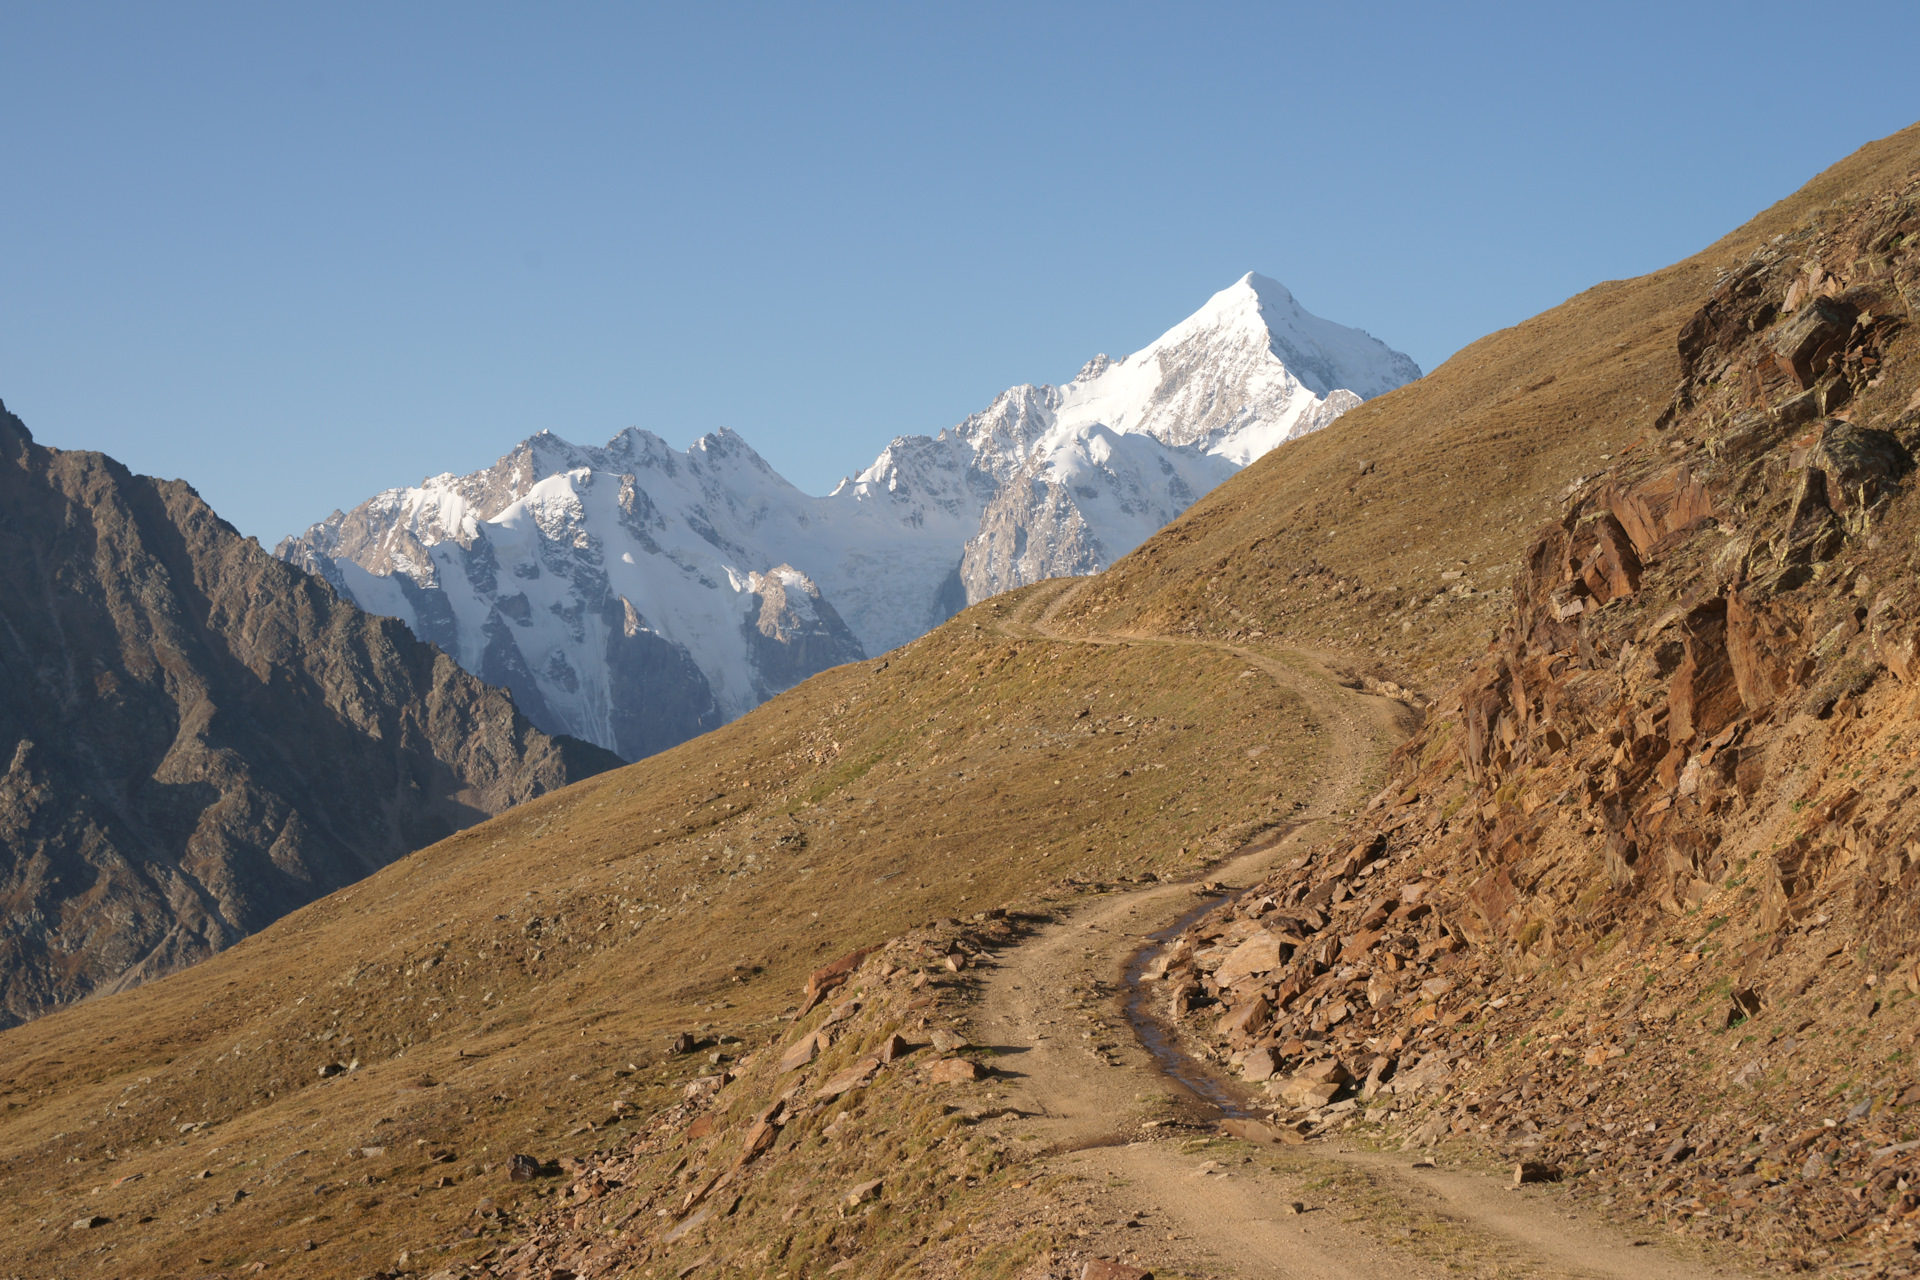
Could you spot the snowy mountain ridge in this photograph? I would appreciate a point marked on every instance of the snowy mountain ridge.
(635, 595)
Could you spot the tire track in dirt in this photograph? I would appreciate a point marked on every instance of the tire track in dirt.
(1200, 1204)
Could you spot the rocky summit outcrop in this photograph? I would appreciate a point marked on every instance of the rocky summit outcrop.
(196, 738)
(1638, 906)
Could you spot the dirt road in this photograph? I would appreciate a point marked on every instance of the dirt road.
(1151, 1183)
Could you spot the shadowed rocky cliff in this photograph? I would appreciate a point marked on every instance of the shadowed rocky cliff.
(196, 738)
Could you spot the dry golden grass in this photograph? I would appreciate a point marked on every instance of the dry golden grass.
(694, 889)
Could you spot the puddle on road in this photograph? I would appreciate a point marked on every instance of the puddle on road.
(1160, 1041)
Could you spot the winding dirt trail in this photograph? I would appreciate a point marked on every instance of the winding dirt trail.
(1155, 1186)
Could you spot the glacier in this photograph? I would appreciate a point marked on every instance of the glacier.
(636, 595)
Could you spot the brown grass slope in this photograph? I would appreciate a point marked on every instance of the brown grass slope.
(1403, 569)
(492, 993)
(503, 990)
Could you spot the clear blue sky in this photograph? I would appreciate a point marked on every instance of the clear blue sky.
(297, 254)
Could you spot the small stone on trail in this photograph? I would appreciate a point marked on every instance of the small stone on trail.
(1296, 1207)
(1529, 1171)
(954, 1071)
(1255, 1131)
(1103, 1269)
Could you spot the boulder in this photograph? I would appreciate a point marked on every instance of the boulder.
(1654, 509)
(1704, 696)
(1259, 1132)
(1316, 1085)
(1761, 650)
(841, 1012)
(1612, 568)
(759, 1140)
(851, 1078)
(1378, 1073)
(1103, 1269)
(687, 1225)
(1245, 1018)
(1860, 465)
(954, 1071)
(1260, 953)
(802, 1051)
(1808, 341)
(1380, 989)
(832, 976)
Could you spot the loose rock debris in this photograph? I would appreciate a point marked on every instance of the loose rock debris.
(1640, 905)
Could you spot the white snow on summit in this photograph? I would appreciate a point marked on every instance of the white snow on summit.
(1249, 370)
(634, 595)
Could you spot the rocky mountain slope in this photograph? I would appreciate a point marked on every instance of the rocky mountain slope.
(635, 596)
(605, 981)
(199, 738)
(1637, 906)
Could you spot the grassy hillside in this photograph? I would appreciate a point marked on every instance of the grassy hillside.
(501, 992)
(505, 987)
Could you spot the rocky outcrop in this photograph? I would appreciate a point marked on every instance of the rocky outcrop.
(793, 632)
(1028, 533)
(1638, 904)
(657, 697)
(198, 738)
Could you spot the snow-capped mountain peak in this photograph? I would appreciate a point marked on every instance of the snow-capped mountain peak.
(1249, 370)
(634, 594)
